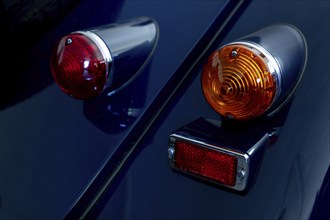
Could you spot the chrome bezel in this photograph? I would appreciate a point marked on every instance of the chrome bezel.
(290, 95)
(243, 160)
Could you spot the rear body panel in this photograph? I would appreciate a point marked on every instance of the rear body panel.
(62, 157)
(294, 168)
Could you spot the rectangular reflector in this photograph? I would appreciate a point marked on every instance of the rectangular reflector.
(209, 150)
(205, 162)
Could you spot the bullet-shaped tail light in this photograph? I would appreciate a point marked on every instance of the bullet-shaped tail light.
(105, 58)
(208, 150)
(257, 74)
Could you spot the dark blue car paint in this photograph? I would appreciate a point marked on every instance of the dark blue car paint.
(113, 166)
(50, 150)
(53, 147)
(293, 172)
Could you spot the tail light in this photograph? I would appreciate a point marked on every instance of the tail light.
(254, 76)
(86, 63)
(257, 74)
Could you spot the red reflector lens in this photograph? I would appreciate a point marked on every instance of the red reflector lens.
(79, 67)
(208, 163)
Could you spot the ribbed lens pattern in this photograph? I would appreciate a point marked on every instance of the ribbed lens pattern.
(211, 164)
(237, 82)
(78, 66)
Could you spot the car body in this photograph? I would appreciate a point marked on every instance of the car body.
(68, 158)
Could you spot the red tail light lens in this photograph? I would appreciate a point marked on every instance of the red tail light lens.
(207, 163)
(80, 65)
(239, 81)
(103, 59)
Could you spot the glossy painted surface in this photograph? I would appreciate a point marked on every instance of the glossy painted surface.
(293, 177)
(52, 146)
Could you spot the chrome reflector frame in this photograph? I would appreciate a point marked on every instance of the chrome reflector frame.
(246, 145)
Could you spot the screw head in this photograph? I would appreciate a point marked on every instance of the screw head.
(68, 41)
(170, 152)
(234, 53)
(240, 175)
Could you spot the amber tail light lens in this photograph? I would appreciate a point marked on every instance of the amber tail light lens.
(255, 75)
(89, 62)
